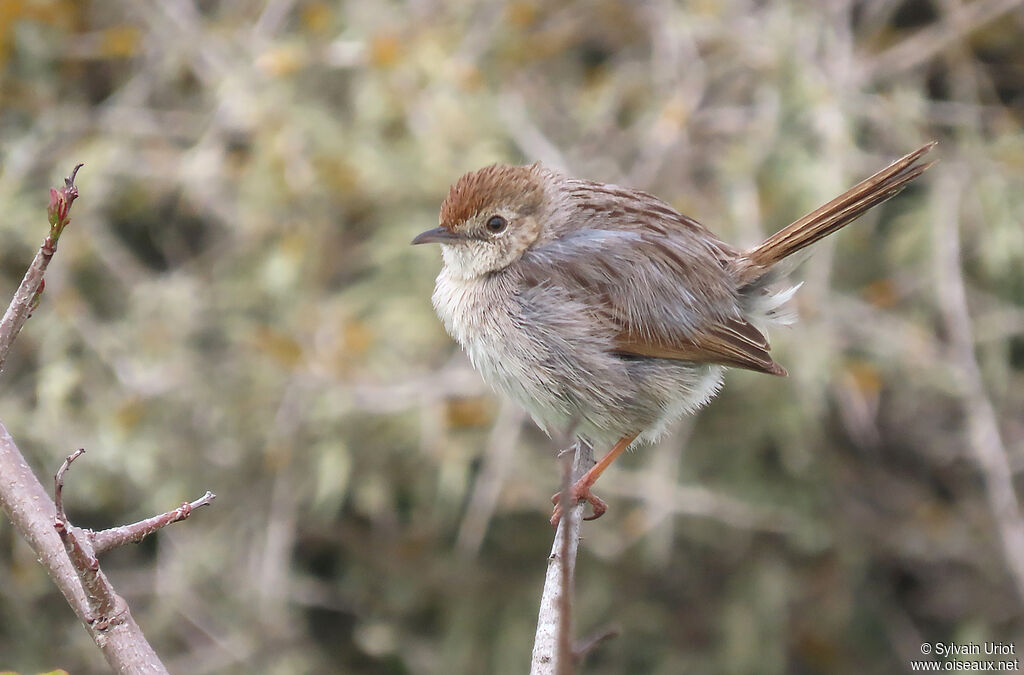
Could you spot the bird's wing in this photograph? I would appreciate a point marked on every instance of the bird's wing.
(657, 279)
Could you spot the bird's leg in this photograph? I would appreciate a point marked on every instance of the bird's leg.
(580, 490)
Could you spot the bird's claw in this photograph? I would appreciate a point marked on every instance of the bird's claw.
(578, 492)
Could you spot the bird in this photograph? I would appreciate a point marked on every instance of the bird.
(606, 313)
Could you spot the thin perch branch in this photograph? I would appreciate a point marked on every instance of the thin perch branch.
(564, 660)
(552, 652)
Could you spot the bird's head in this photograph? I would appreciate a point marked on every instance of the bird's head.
(489, 218)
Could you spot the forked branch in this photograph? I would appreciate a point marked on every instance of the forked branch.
(69, 553)
(105, 540)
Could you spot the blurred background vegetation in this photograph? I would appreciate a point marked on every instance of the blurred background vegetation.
(235, 307)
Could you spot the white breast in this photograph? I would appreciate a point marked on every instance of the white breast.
(475, 312)
(481, 315)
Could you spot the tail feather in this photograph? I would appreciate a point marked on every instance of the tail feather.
(834, 215)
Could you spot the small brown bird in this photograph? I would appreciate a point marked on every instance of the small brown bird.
(605, 312)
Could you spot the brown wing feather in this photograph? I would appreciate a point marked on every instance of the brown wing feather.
(735, 343)
(657, 279)
(666, 286)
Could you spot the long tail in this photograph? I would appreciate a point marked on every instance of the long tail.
(830, 217)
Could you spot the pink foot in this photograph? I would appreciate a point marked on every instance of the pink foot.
(579, 491)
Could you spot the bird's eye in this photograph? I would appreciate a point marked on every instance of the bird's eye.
(496, 224)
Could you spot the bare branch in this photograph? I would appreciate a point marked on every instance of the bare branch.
(105, 540)
(61, 548)
(33, 514)
(111, 538)
(556, 598)
(105, 607)
(58, 484)
(564, 661)
(84, 546)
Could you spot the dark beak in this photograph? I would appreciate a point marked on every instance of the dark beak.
(438, 235)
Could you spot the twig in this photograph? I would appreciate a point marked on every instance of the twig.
(58, 483)
(111, 538)
(26, 298)
(84, 547)
(551, 654)
(105, 606)
(564, 661)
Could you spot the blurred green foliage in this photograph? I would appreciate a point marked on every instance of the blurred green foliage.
(234, 307)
